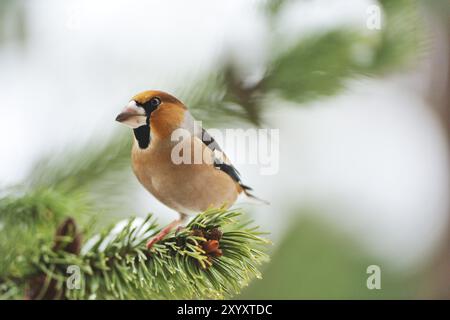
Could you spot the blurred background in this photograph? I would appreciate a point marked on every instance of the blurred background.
(362, 107)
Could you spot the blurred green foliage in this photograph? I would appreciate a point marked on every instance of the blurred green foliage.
(29, 219)
(315, 261)
(12, 21)
(315, 67)
(102, 159)
(311, 68)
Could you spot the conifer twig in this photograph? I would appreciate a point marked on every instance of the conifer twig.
(215, 256)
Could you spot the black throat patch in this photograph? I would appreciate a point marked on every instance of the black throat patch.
(142, 135)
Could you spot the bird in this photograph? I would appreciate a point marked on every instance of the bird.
(166, 141)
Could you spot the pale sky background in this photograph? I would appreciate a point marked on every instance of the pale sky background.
(373, 159)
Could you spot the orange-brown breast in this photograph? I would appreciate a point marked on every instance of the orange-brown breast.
(186, 188)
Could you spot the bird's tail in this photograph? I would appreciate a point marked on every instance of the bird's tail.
(247, 189)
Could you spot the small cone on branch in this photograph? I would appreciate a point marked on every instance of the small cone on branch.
(68, 239)
(67, 230)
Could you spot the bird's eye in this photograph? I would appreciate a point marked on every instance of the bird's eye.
(154, 102)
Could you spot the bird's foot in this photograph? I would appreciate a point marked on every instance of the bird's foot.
(154, 240)
(159, 236)
(179, 229)
(163, 233)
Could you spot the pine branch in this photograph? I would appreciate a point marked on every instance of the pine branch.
(215, 256)
(31, 219)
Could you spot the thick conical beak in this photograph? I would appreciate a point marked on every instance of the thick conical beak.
(132, 116)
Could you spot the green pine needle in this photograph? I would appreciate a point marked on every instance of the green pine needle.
(117, 265)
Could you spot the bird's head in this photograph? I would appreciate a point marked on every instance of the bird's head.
(153, 109)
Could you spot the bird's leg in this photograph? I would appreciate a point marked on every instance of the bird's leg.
(179, 229)
(165, 231)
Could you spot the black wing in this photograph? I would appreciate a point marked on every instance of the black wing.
(219, 163)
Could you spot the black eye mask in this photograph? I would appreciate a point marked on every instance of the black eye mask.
(151, 105)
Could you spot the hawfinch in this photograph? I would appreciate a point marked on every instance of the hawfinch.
(165, 158)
